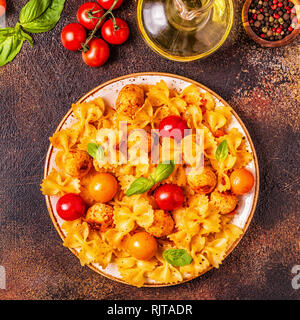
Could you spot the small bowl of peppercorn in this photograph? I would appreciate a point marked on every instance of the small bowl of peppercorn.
(272, 23)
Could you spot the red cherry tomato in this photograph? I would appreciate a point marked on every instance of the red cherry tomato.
(170, 123)
(169, 197)
(70, 207)
(106, 4)
(97, 54)
(82, 15)
(113, 36)
(72, 36)
(2, 7)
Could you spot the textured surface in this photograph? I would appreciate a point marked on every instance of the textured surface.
(37, 89)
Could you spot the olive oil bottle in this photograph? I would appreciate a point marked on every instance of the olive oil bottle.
(185, 30)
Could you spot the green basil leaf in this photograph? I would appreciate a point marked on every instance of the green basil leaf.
(163, 170)
(96, 151)
(33, 9)
(47, 20)
(139, 186)
(222, 151)
(11, 41)
(177, 257)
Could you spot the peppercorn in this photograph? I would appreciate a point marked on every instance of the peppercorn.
(257, 24)
(286, 16)
(272, 19)
(260, 17)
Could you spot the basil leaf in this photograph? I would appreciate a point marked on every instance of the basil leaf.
(163, 170)
(139, 186)
(177, 257)
(222, 151)
(11, 41)
(96, 151)
(33, 9)
(47, 20)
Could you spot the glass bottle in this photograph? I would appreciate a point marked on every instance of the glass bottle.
(185, 30)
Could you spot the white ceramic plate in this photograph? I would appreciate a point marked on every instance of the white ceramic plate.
(109, 91)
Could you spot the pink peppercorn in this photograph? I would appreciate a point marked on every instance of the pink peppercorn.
(274, 6)
(290, 29)
(279, 4)
(274, 1)
(262, 35)
(278, 30)
(276, 15)
(254, 16)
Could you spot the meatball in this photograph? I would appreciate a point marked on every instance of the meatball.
(202, 182)
(130, 99)
(225, 202)
(77, 163)
(100, 216)
(162, 225)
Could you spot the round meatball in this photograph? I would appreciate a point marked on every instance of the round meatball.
(130, 99)
(202, 182)
(100, 216)
(225, 202)
(162, 225)
(77, 163)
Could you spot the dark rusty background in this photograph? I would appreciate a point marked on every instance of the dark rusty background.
(37, 89)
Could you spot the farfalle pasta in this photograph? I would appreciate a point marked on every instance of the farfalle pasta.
(186, 240)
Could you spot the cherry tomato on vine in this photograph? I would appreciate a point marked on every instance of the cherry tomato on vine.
(72, 36)
(103, 186)
(70, 207)
(113, 36)
(97, 54)
(169, 197)
(241, 181)
(170, 123)
(106, 4)
(86, 9)
(2, 7)
(142, 246)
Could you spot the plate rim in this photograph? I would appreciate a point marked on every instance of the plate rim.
(162, 74)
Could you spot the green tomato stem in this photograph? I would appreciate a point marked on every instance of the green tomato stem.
(91, 36)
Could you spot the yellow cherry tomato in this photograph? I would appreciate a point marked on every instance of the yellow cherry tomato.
(103, 187)
(241, 181)
(142, 246)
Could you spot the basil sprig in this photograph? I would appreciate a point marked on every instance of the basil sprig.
(177, 257)
(33, 9)
(11, 41)
(96, 151)
(222, 151)
(35, 17)
(141, 185)
(163, 170)
(46, 14)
